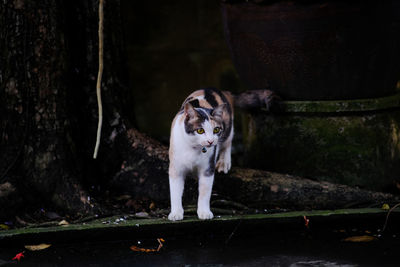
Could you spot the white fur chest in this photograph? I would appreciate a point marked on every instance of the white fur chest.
(183, 154)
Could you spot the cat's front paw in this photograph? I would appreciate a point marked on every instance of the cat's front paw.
(223, 164)
(205, 214)
(176, 215)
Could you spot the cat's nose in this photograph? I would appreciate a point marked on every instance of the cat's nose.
(210, 142)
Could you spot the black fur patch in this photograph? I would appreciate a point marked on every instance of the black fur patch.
(224, 100)
(211, 165)
(209, 97)
(203, 115)
(195, 103)
(191, 125)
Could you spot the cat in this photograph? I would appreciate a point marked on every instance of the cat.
(200, 143)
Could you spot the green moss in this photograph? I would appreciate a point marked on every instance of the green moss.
(357, 105)
(157, 224)
(354, 148)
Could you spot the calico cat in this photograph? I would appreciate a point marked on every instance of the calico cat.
(201, 140)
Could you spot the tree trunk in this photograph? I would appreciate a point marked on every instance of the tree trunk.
(48, 105)
(37, 154)
(264, 189)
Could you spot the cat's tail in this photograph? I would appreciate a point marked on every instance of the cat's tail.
(253, 99)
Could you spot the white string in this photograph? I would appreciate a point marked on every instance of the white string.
(99, 76)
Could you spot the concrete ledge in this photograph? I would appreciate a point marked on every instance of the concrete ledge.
(339, 106)
(107, 228)
(351, 142)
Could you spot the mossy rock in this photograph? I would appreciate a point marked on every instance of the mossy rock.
(354, 142)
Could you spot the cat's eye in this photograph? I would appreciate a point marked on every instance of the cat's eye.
(200, 131)
(217, 130)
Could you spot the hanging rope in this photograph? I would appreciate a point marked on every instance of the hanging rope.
(99, 76)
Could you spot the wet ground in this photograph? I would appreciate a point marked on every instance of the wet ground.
(297, 250)
(239, 243)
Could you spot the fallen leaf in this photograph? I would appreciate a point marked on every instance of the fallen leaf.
(160, 241)
(37, 247)
(4, 227)
(147, 250)
(361, 238)
(385, 206)
(306, 221)
(63, 223)
(19, 256)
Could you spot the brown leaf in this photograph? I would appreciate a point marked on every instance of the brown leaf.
(361, 238)
(37, 247)
(147, 250)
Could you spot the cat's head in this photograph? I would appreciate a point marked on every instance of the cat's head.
(203, 126)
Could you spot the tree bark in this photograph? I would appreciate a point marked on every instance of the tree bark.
(265, 189)
(37, 155)
(48, 107)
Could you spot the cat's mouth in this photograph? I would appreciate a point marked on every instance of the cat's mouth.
(208, 145)
(201, 146)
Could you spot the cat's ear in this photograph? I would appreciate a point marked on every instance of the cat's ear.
(190, 111)
(218, 111)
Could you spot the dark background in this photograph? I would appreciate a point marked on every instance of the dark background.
(173, 48)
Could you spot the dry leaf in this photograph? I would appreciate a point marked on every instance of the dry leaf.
(361, 238)
(385, 206)
(4, 227)
(306, 221)
(37, 247)
(63, 222)
(147, 250)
